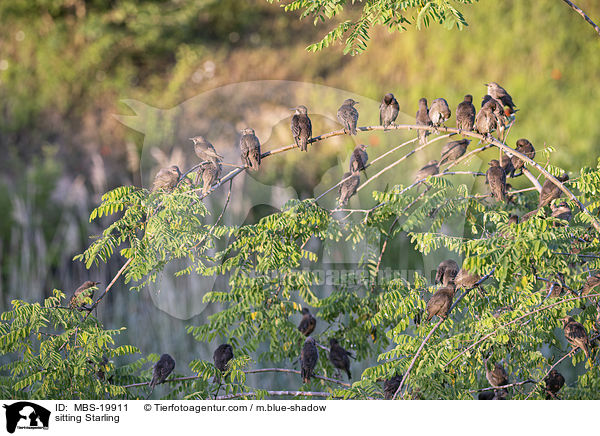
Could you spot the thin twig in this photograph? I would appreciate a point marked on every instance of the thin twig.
(276, 393)
(492, 388)
(583, 14)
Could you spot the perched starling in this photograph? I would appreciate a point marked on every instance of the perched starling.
(453, 150)
(348, 116)
(166, 179)
(388, 110)
(439, 111)
(465, 114)
(86, 290)
(496, 178)
(553, 289)
(431, 169)
(162, 369)
(250, 149)
(307, 323)
(440, 302)
(550, 191)
(359, 159)
(500, 94)
(348, 188)
(205, 150)
(390, 386)
(498, 376)
(506, 164)
(210, 172)
(308, 359)
(446, 272)
(466, 280)
(301, 127)
(222, 355)
(561, 211)
(554, 381)
(339, 357)
(590, 284)
(496, 394)
(487, 119)
(525, 147)
(423, 120)
(576, 335)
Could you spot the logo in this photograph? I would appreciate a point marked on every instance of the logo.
(26, 415)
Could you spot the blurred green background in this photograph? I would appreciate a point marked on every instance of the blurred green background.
(65, 66)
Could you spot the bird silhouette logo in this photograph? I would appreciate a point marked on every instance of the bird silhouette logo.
(26, 415)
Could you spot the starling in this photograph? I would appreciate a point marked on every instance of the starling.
(561, 211)
(486, 120)
(210, 172)
(308, 359)
(166, 179)
(550, 191)
(431, 169)
(496, 394)
(496, 177)
(500, 94)
(301, 127)
(440, 302)
(513, 219)
(525, 147)
(453, 150)
(388, 110)
(390, 386)
(446, 272)
(250, 148)
(465, 114)
(466, 280)
(162, 369)
(590, 284)
(307, 323)
(86, 290)
(498, 376)
(576, 334)
(554, 381)
(506, 164)
(205, 150)
(348, 188)
(339, 357)
(439, 111)
(222, 355)
(423, 120)
(348, 116)
(553, 289)
(359, 159)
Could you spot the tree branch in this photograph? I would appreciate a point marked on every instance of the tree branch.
(583, 14)
(276, 393)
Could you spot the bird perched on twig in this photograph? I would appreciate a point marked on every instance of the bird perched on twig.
(348, 116)
(496, 178)
(500, 94)
(250, 149)
(388, 110)
(554, 382)
(162, 369)
(348, 188)
(466, 280)
(205, 150)
(496, 394)
(439, 111)
(576, 335)
(440, 302)
(221, 357)
(465, 114)
(590, 284)
(308, 359)
(550, 191)
(497, 376)
(301, 127)
(307, 323)
(487, 119)
(423, 120)
(561, 211)
(166, 179)
(339, 357)
(359, 159)
(525, 147)
(390, 386)
(453, 150)
(446, 272)
(431, 169)
(210, 172)
(86, 290)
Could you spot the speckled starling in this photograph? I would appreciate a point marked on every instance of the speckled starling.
(554, 382)
(250, 149)
(348, 116)
(446, 272)
(439, 111)
(348, 188)
(431, 169)
(525, 147)
(390, 386)
(550, 191)
(162, 369)
(486, 120)
(301, 127)
(423, 120)
(497, 376)
(359, 159)
(576, 335)
(308, 359)
(440, 302)
(591, 283)
(496, 178)
(453, 150)
(465, 114)
(307, 323)
(560, 211)
(210, 172)
(388, 110)
(222, 355)
(86, 290)
(166, 179)
(339, 357)
(466, 280)
(499, 93)
(506, 164)
(205, 150)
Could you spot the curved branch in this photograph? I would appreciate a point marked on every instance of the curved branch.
(583, 14)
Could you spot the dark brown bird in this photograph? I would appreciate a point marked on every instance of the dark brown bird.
(439, 111)
(388, 110)
(210, 172)
(308, 359)
(554, 382)
(497, 376)
(550, 191)
(162, 369)
(301, 127)
(307, 323)
(465, 114)
(506, 164)
(576, 335)
(561, 211)
(431, 169)
(440, 302)
(525, 147)
(166, 179)
(496, 178)
(348, 188)
(466, 280)
(590, 284)
(553, 289)
(423, 120)
(490, 117)
(250, 149)
(496, 394)
(339, 357)
(348, 116)
(446, 272)
(86, 290)
(222, 355)
(390, 386)
(453, 150)
(359, 159)
(205, 150)
(500, 94)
